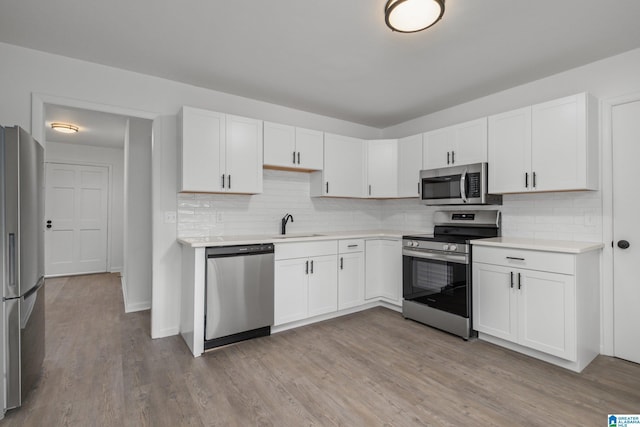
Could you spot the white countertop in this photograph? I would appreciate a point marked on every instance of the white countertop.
(540, 244)
(201, 242)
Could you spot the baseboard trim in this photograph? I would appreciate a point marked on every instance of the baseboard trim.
(139, 306)
(163, 333)
(308, 321)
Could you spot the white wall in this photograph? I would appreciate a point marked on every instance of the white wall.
(137, 274)
(26, 71)
(113, 157)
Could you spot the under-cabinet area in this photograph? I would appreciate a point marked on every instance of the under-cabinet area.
(540, 298)
(314, 278)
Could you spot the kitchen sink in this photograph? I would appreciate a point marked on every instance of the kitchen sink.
(295, 236)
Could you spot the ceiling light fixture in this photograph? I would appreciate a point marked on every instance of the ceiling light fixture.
(410, 16)
(64, 127)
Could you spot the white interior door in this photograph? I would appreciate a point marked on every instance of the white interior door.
(626, 287)
(76, 219)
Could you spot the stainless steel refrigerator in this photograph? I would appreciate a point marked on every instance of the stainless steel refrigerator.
(22, 255)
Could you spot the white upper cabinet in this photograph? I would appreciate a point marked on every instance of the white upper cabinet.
(219, 152)
(382, 168)
(409, 166)
(510, 151)
(288, 147)
(344, 168)
(243, 155)
(202, 139)
(309, 149)
(437, 147)
(461, 144)
(279, 145)
(551, 146)
(564, 144)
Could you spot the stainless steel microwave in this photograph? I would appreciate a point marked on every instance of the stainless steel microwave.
(457, 185)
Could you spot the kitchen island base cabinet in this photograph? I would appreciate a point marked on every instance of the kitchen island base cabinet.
(552, 315)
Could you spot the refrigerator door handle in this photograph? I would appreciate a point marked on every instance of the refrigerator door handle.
(12, 260)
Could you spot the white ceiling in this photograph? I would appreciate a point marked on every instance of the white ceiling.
(332, 57)
(96, 129)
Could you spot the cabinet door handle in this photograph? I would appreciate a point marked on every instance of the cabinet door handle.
(352, 246)
(306, 267)
(453, 157)
(298, 157)
(311, 266)
(526, 180)
(519, 281)
(294, 157)
(418, 189)
(222, 180)
(327, 187)
(229, 179)
(369, 189)
(511, 273)
(447, 157)
(341, 263)
(515, 258)
(534, 180)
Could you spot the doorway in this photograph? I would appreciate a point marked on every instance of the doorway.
(121, 146)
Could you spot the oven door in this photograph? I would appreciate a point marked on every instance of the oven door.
(439, 280)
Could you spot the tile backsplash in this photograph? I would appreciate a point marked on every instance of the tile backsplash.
(565, 216)
(201, 215)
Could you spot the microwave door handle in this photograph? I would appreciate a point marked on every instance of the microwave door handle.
(463, 186)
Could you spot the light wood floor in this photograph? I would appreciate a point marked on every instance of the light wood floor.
(366, 369)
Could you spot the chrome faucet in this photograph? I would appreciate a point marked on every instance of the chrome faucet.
(286, 218)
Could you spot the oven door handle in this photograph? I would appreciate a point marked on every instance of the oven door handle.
(460, 259)
(463, 186)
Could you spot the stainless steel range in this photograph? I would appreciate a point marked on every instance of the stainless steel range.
(436, 269)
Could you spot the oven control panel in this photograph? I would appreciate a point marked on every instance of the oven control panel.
(433, 246)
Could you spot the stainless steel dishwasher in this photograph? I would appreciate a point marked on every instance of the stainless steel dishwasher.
(239, 293)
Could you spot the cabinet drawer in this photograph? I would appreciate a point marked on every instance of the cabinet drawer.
(350, 245)
(521, 258)
(305, 249)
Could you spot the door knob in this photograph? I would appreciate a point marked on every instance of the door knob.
(623, 244)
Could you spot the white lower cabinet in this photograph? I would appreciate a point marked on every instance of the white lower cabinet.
(541, 301)
(384, 270)
(537, 311)
(291, 290)
(306, 280)
(350, 273)
(323, 285)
